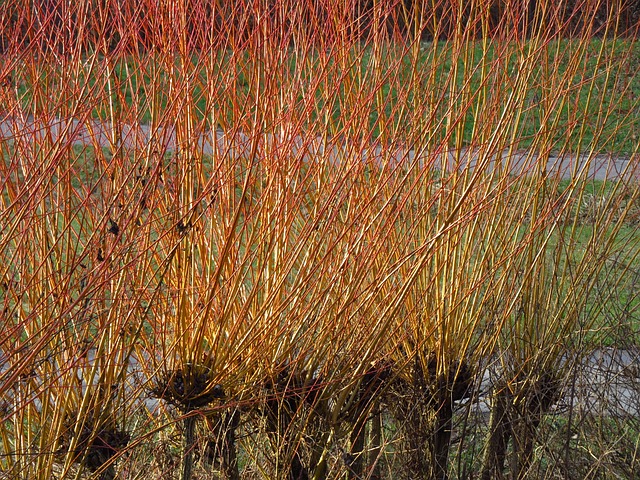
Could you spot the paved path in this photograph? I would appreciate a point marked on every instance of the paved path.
(97, 134)
(605, 382)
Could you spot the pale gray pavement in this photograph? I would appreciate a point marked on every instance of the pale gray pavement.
(97, 134)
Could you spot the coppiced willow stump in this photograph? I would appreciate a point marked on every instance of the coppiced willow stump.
(189, 388)
(289, 396)
(363, 417)
(517, 410)
(424, 409)
(98, 441)
(220, 449)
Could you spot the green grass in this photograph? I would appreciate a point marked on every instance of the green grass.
(600, 112)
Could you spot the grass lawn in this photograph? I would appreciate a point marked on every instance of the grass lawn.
(597, 110)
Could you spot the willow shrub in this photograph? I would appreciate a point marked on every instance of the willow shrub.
(291, 240)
